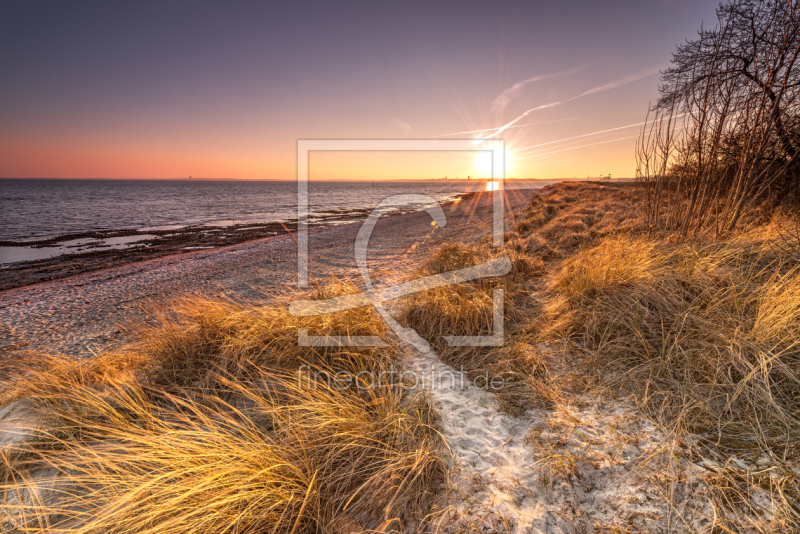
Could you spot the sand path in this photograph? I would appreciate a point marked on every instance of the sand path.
(589, 465)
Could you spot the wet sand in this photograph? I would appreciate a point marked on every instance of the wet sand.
(86, 313)
(88, 251)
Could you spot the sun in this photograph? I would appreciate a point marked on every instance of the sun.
(482, 164)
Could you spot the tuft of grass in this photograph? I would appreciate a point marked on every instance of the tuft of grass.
(466, 309)
(259, 436)
(556, 466)
(706, 335)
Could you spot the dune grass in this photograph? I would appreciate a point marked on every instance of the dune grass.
(212, 420)
(466, 309)
(708, 332)
(216, 421)
(549, 229)
(703, 333)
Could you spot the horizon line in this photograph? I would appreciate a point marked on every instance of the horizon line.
(209, 179)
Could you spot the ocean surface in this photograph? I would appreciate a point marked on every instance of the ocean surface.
(35, 209)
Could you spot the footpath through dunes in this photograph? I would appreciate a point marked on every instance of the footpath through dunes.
(87, 313)
(584, 464)
(648, 383)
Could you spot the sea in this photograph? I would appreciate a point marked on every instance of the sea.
(36, 209)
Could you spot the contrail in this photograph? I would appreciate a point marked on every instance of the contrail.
(508, 125)
(579, 136)
(586, 135)
(611, 85)
(505, 98)
(623, 81)
(577, 147)
(517, 126)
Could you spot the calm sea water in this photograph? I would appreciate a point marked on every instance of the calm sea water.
(31, 209)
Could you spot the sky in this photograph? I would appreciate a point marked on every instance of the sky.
(225, 89)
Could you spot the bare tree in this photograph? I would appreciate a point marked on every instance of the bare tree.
(724, 134)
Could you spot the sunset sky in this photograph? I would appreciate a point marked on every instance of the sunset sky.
(172, 89)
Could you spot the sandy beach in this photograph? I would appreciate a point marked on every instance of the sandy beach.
(84, 314)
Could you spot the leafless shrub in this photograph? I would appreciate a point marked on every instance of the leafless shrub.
(723, 136)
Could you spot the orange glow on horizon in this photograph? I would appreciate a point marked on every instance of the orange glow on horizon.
(23, 157)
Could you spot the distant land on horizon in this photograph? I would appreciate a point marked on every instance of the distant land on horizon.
(199, 179)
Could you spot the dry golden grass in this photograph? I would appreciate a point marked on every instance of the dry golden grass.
(704, 333)
(549, 229)
(466, 309)
(196, 340)
(570, 216)
(708, 331)
(205, 424)
(245, 441)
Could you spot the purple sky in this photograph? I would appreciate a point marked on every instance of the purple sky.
(172, 89)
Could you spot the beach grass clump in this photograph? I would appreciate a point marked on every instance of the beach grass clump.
(707, 332)
(264, 436)
(467, 309)
(196, 340)
(297, 460)
(463, 309)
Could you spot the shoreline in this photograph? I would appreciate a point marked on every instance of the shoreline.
(84, 314)
(155, 243)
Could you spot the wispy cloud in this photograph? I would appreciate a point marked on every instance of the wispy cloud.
(578, 136)
(577, 147)
(588, 134)
(516, 126)
(508, 125)
(632, 78)
(513, 92)
(601, 88)
(401, 124)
